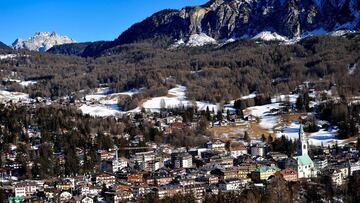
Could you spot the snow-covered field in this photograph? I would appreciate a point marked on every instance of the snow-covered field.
(105, 103)
(291, 131)
(322, 137)
(100, 110)
(175, 98)
(103, 94)
(268, 119)
(13, 96)
(325, 137)
(23, 83)
(27, 83)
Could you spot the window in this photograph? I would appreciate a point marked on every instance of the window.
(304, 146)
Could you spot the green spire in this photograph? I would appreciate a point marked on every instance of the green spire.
(301, 131)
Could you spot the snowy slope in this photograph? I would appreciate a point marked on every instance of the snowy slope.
(41, 41)
(6, 96)
(269, 36)
(195, 40)
(202, 39)
(105, 103)
(7, 56)
(175, 98)
(322, 137)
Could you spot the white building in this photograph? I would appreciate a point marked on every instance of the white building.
(305, 166)
(320, 163)
(87, 200)
(187, 162)
(105, 178)
(230, 185)
(217, 145)
(353, 167)
(118, 164)
(336, 177)
(182, 160)
(123, 196)
(141, 157)
(65, 196)
(258, 149)
(25, 189)
(237, 150)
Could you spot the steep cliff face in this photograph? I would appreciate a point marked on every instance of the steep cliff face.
(224, 19)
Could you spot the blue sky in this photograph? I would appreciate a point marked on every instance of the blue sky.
(82, 20)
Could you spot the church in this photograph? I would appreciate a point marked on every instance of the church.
(302, 161)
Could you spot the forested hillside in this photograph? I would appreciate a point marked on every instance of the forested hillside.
(212, 73)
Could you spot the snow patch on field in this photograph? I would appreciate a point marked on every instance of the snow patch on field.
(352, 68)
(268, 119)
(195, 40)
(268, 114)
(176, 98)
(322, 137)
(105, 93)
(27, 83)
(250, 96)
(106, 103)
(22, 83)
(291, 131)
(6, 96)
(100, 110)
(283, 98)
(177, 44)
(7, 56)
(339, 33)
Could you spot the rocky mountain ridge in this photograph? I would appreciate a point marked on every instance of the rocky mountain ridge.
(224, 20)
(42, 41)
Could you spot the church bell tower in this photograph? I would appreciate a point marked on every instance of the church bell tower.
(302, 147)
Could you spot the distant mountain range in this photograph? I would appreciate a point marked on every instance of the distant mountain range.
(4, 49)
(4, 46)
(220, 21)
(42, 41)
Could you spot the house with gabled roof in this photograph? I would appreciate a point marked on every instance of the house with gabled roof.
(264, 172)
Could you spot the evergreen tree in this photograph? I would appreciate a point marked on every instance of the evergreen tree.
(353, 194)
(263, 138)
(247, 137)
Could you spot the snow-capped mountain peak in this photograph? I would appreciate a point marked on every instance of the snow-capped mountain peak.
(42, 41)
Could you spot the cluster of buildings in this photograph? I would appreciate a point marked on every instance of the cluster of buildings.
(165, 171)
